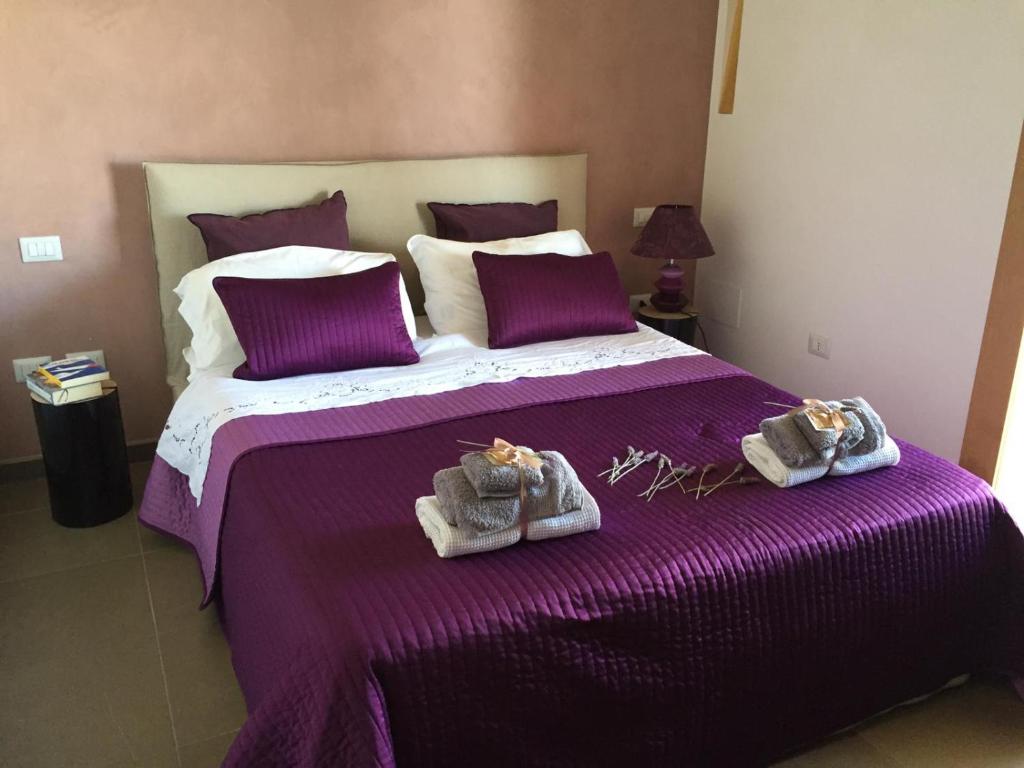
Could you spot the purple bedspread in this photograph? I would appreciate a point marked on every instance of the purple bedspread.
(720, 632)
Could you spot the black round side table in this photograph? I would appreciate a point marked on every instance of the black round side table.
(86, 459)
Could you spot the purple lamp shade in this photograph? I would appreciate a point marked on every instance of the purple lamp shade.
(673, 232)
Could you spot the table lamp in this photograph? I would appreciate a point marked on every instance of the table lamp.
(673, 232)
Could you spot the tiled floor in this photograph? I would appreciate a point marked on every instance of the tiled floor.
(105, 661)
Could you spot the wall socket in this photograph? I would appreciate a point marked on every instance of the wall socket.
(641, 216)
(96, 355)
(636, 299)
(820, 346)
(25, 365)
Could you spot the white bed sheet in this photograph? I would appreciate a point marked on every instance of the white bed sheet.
(447, 363)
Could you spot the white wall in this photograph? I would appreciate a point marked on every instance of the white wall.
(859, 191)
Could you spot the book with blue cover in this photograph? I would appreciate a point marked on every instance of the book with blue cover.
(73, 372)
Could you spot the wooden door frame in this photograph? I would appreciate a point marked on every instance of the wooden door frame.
(1001, 343)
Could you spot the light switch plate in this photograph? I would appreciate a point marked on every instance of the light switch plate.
(820, 346)
(641, 216)
(96, 355)
(25, 365)
(41, 248)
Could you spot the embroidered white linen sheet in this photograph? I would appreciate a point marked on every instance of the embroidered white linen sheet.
(447, 363)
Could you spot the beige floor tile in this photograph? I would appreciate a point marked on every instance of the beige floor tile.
(979, 724)
(82, 683)
(204, 694)
(32, 544)
(176, 586)
(203, 690)
(206, 754)
(200, 680)
(139, 472)
(152, 540)
(845, 751)
(23, 495)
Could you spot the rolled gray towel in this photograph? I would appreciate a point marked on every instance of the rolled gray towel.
(825, 442)
(874, 427)
(494, 481)
(559, 493)
(785, 438)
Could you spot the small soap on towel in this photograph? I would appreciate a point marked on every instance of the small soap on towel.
(874, 428)
(494, 480)
(559, 492)
(826, 442)
(788, 442)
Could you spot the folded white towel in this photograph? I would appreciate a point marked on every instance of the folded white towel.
(762, 458)
(453, 541)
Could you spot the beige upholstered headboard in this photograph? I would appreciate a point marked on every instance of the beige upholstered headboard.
(386, 205)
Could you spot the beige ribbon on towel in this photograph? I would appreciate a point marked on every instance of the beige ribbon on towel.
(823, 416)
(503, 453)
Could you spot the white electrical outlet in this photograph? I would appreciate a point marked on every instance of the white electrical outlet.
(641, 216)
(636, 299)
(96, 355)
(41, 248)
(819, 345)
(25, 365)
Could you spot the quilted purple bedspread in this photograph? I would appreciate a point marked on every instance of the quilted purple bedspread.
(721, 632)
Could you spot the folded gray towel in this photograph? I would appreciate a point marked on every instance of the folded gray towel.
(559, 493)
(494, 481)
(874, 427)
(785, 438)
(459, 503)
(825, 442)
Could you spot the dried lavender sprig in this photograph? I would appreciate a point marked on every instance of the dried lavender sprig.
(738, 481)
(647, 457)
(632, 457)
(616, 468)
(700, 483)
(737, 470)
(660, 481)
(679, 474)
(662, 458)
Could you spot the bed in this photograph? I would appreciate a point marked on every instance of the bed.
(725, 632)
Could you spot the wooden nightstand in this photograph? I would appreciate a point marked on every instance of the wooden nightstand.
(680, 325)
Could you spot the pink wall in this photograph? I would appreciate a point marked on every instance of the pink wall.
(90, 89)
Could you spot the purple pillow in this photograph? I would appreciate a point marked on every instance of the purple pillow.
(324, 225)
(548, 296)
(290, 327)
(493, 221)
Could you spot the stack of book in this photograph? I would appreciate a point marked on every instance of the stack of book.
(67, 381)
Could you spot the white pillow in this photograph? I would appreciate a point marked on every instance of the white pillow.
(453, 300)
(214, 343)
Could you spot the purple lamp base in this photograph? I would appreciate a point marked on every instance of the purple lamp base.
(669, 296)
